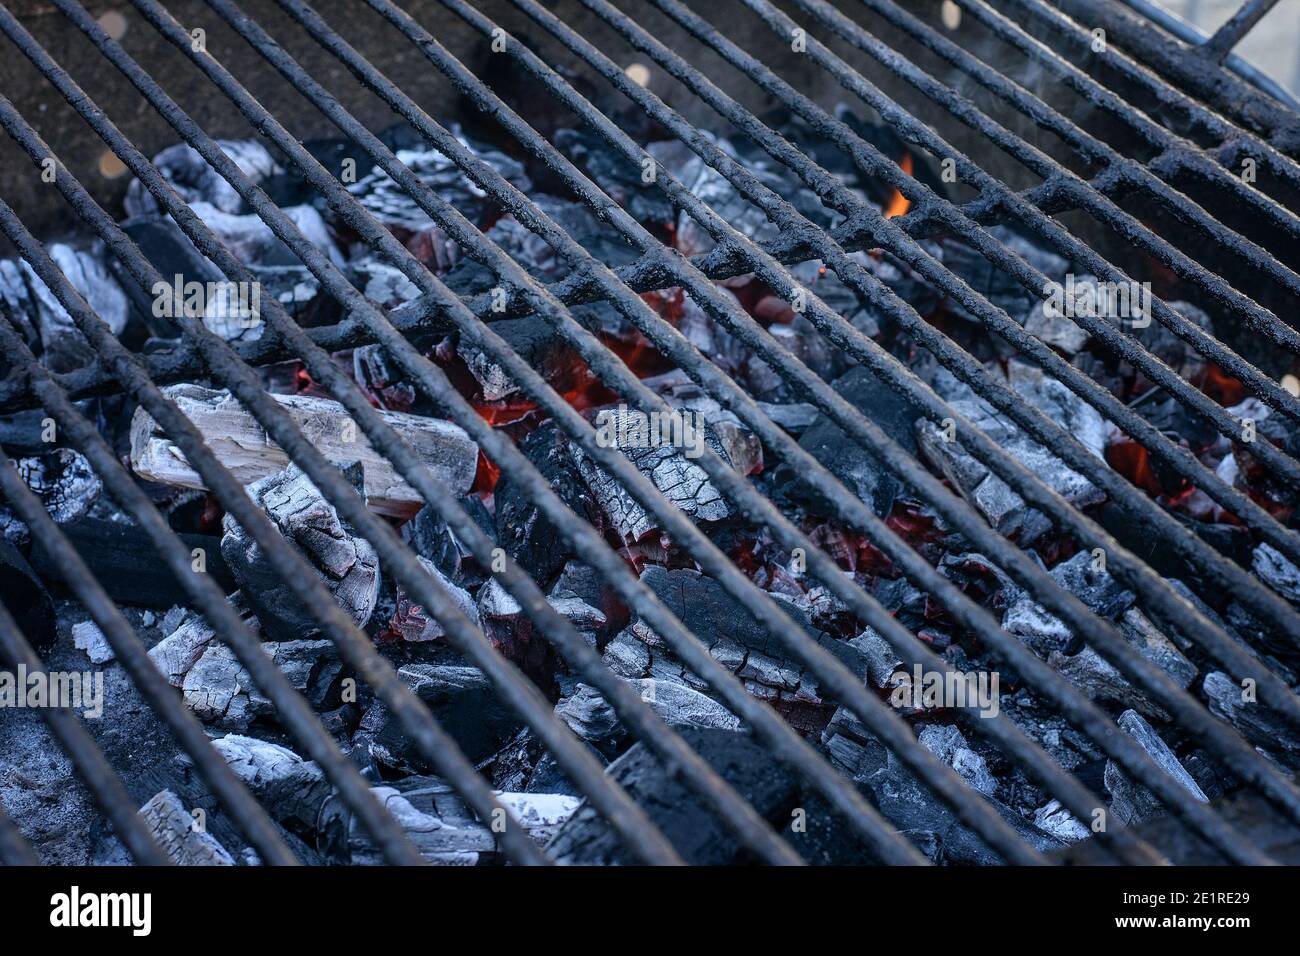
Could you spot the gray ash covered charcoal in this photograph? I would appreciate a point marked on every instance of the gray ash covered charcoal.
(182, 647)
(1130, 802)
(37, 308)
(413, 622)
(909, 805)
(1099, 680)
(222, 694)
(390, 204)
(437, 821)
(1232, 702)
(194, 180)
(667, 462)
(535, 341)
(736, 640)
(291, 789)
(64, 482)
(1030, 621)
(347, 562)
(1005, 510)
(535, 255)
(695, 832)
(592, 718)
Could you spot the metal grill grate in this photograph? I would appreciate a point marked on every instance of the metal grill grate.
(1249, 124)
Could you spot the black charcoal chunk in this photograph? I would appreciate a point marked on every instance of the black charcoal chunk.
(24, 594)
(859, 469)
(1030, 621)
(1239, 706)
(527, 536)
(692, 828)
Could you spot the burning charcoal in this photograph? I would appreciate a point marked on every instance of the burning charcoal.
(173, 827)
(1229, 701)
(591, 717)
(24, 594)
(908, 804)
(384, 284)
(652, 444)
(947, 743)
(995, 283)
(195, 181)
(1100, 681)
(348, 563)
(86, 636)
(443, 829)
(1060, 823)
(527, 536)
(1130, 802)
(242, 446)
(181, 649)
(222, 693)
(534, 254)
(882, 659)
(694, 830)
(464, 703)
(1005, 509)
(1277, 572)
(64, 482)
(794, 418)
(389, 203)
(534, 339)
(854, 465)
(414, 623)
(291, 789)
(612, 172)
(736, 641)
(384, 383)
(597, 603)
(1044, 632)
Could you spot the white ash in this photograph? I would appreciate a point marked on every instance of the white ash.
(187, 637)
(87, 637)
(293, 790)
(347, 562)
(682, 481)
(592, 718)
(221, 693)
(172, 827)
(1003, 507)
(1130, 802)
(194, 180)
(1060, 823)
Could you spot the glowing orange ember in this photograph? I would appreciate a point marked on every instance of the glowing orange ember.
(898, 203)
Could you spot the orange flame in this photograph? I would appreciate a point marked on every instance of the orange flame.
(898, 203)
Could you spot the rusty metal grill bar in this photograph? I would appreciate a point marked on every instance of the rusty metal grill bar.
(1167, 68)
(593, 280)
(492, 183)
(931, 491)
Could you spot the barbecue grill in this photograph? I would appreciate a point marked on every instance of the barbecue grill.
(1163, 165)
